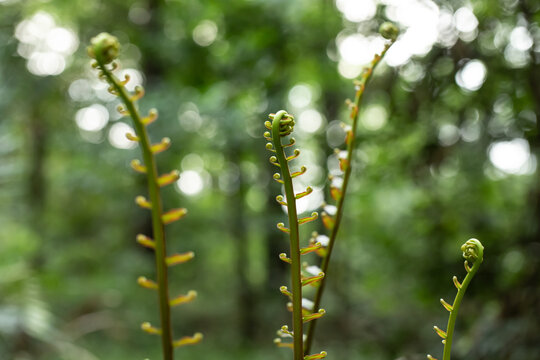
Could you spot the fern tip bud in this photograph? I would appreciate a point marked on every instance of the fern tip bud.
(389, 31)
(104, 48)
(473, 250)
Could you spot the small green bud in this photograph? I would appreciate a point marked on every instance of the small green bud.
(473, 250)
(104, 48)
(389, 31)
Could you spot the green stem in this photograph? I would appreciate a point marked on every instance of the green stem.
(347, 174)
(455, 308)
(157, 212)
(293, 238)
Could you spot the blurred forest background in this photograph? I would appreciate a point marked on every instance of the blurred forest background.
(448, 150)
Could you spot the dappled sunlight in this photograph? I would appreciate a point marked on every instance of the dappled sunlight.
(512, 157)
(190, 183)
(205, 33)
(92, 118)
(46, 46)
(398, 158)
(310, 121)
(472, 76)
(117, 136)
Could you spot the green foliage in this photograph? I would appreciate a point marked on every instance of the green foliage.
(422, 177)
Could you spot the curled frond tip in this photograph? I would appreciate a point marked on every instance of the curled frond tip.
(104, 48)
(473, 250)
(389, 31)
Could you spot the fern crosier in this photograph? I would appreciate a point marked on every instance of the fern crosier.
(473, 252)
(104, 50)
(338, 185)
(281, 126)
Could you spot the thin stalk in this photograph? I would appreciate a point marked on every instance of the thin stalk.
(157, 212)
(294, 239)
(473, 251)
(361, 85)
(455, 308)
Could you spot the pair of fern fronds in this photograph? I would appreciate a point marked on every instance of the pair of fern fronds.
(303, 310)
(281, 126)
(104, 50)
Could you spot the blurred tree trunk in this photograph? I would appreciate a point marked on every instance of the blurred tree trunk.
(37, 143)
(237, 221)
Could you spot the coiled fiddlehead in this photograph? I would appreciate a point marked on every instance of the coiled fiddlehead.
(473, 252)
(104, 50)
(281, 126)
(332, 222)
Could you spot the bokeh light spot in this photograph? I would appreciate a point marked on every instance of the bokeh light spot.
(205, 33)
(117, 136)
(472, 76)
(310, 120)
(190, 182)
(92, 118)
(511, 157)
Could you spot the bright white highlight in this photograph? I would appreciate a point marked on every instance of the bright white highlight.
(205, 33)
(422, 24)
(310, 120)
(117, 136)
(420, 19)
(472, 76)
(311, 202)
(190, 182)
(465, 20)
(135, 78)
(46, 63)
(92, 118)
(61, 40)
(521, 39)
(355, 52)
(300, 95)
(356, 49)
(46, 46)
(374, 117)
(357, 11)
(512, 157)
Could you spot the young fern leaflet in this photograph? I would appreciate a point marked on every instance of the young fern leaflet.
(282, 125)
(104, 50)
(473, 252)
(332, 223)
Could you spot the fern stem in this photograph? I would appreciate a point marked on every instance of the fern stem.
(340, 203)
(455, 308)
(293, 238)
(157, 212)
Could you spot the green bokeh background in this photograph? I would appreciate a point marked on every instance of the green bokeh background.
(421, 185)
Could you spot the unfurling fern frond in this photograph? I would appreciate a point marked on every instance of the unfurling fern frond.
(104, 50)
(281, 126)
(473, 252)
